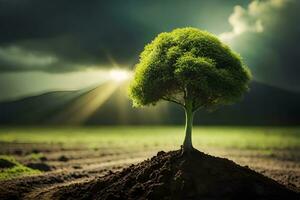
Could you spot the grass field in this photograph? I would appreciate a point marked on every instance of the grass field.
(75, 154)
(263, 138)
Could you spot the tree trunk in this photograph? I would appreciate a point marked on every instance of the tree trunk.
(187, 144)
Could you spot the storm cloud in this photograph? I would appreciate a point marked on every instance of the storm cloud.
(69, 35)
(61, 36)
(266, 33)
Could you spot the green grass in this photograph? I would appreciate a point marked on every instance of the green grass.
(15, 171)
(262, 138)
(36, 156)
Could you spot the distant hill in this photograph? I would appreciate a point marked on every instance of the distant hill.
(109, 104)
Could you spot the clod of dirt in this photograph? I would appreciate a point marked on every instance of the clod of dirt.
(35, 151)
(77, 167)
(43, 158)
(18, 152)
(40, 166)
(174, 175)
(4, 164)
(63, 158)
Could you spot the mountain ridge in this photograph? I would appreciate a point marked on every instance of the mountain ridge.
(262, 105)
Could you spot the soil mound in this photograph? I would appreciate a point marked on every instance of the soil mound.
(4, 164)
(40, 166)
(174, 175)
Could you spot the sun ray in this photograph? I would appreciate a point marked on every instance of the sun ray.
(83, 107)
(119, 75)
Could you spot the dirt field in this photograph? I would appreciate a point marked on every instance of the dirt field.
(66, 163)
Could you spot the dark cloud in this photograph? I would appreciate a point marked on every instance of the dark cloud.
(266, 33)
(79, 34)
(63, 35)
(74, 33)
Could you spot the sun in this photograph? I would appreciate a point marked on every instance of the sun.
(119, 75)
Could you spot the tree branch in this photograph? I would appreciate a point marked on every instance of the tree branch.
(196, 107)
(171, 100)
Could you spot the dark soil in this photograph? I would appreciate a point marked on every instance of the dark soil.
(174, 175)
(40, 166)
(16, 189)
(4, 164)
(63, 158)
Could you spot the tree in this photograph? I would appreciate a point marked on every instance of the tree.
(191, 68)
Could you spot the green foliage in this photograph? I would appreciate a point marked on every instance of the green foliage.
(188, 66)
(17, 170)
(36, 156)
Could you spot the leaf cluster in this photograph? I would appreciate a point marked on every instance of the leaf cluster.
(189, 67)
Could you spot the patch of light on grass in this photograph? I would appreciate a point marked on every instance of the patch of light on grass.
(15, 171)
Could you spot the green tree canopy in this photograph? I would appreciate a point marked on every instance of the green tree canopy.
(191, 68)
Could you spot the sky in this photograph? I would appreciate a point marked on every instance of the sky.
(48, 45)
